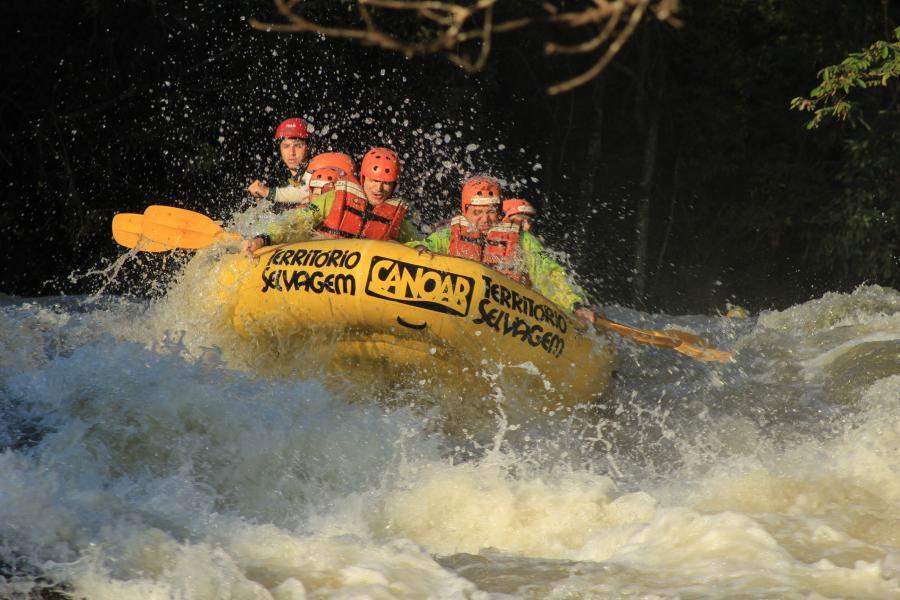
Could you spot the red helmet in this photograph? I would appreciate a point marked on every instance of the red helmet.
(292, 128)
(381, 164)
(335, 160)
(517, 206)
(480, 191)
(324, 177)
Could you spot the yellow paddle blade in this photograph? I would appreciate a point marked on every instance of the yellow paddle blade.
(177, 237)
(128, 231)
(680, 341)
(183, 228)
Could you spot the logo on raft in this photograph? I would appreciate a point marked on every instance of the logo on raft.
(335, 259)
(289, 278)
(314, 282)
(492, 314)
(440, 291)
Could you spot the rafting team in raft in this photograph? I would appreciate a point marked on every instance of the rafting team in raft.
(331, 202)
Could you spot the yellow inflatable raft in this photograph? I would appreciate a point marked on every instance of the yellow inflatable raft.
(368, 307)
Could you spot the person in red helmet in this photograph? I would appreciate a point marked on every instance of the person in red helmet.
(335, 160)
(379, 173)
(330, 167)
(292, 136)
(327, 164)
(478, 234)
(352, 209)
(519, 212)
(322, 180)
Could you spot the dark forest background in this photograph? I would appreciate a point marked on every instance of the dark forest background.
(108, 106)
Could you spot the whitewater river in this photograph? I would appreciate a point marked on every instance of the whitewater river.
(144, 456)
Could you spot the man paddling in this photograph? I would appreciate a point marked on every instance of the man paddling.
(323, 171)
(350, 210)
(292, 138)
(520, 212)
(322, 180)
(477, 234)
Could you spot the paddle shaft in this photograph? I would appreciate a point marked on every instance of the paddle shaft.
(680, 341)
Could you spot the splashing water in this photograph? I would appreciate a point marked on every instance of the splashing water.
(145, 458)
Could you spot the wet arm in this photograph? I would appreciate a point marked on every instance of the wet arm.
(547, 275)
(438, 242)
(289, 194)
(408, 232)
(298, 225)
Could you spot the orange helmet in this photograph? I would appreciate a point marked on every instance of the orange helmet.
(336, 160)
(381, 164)
(517, 206)
(292, 128)
(480, 191)
(324, 177)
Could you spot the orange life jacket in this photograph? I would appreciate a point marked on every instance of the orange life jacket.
(352, 216)
(498, 247)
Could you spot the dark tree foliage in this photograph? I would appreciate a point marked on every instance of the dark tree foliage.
(684, 152)
(859, 232)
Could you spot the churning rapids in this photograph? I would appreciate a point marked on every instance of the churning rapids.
(142, 456)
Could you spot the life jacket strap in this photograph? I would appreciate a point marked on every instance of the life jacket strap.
(336, 232)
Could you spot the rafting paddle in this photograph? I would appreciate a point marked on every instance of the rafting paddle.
(181, 228)
(128, 230)
(680, 341)
(163, 228)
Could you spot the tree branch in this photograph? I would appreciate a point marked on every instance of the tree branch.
(457, 25)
